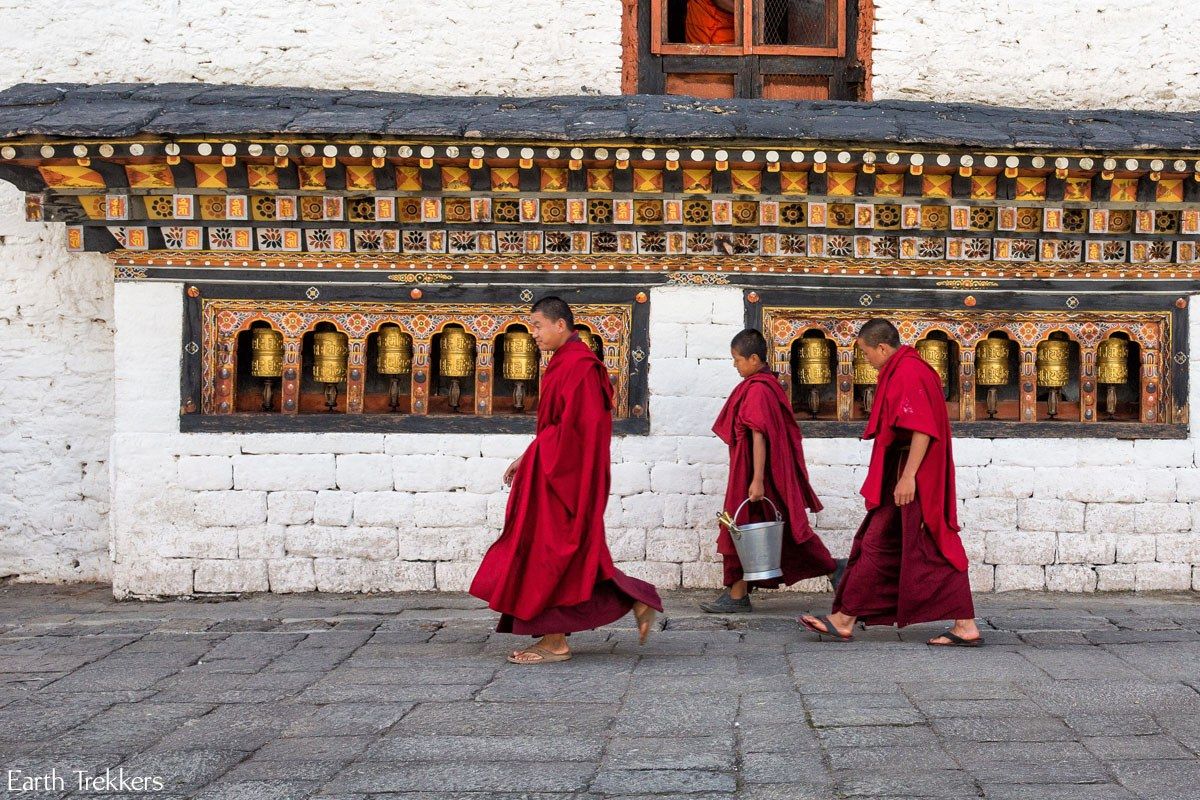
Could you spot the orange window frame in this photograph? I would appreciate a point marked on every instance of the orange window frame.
(744, 23)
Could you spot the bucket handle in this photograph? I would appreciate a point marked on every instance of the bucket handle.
(778, 516)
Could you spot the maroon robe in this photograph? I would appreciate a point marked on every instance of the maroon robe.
(907, 563)
(550, 571)
(760, 404)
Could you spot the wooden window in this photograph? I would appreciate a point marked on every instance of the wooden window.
(782, 49)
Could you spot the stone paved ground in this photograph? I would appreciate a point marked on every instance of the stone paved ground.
(1075, 698)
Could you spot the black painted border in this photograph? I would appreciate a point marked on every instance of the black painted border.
(507, 292)
(1030, 295)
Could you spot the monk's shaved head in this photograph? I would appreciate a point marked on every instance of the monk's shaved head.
(875, 332)
(750, 342)
(554, 309)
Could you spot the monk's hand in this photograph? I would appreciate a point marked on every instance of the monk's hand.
(906, 490)
(511, 472)
(757, 492)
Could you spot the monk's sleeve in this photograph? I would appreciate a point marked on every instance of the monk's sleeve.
(566, 447)
(757, 411)
(914, 409)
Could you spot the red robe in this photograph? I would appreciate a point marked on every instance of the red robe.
(550, 571)
(907, 564)
(760, 404)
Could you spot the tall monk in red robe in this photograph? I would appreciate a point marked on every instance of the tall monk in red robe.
(907, 563)
(550, 572)
(766, 461)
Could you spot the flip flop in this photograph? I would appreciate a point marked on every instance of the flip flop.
(955, 640)
(544, 656)
(646, 618)
(830, 629)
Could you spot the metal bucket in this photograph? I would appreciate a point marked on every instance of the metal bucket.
(759, 545)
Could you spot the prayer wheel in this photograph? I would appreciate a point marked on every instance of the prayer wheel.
(266, 360)
(1053, 369)
(330, 350)
(936, 353)
(394, 360)
(865, 376)
(457, 360)
(992, 369)
(520, 364)
(815, 370)
(587, 337)
(1112, 370)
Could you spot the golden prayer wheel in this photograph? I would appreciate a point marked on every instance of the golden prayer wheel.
(330, 350)
(457, 360)
(266, 360)
(1112, 369)
(394, 360)
(395, 351)
(814, 369)
(520, 364)
(865, 376)
(992, 369)
(587, 337)
(936, 353)
(1053, 370)
(814, 362)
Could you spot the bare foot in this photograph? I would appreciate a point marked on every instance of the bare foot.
(644, 615)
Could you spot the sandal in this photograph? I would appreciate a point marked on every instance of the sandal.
(830, 628)
(955, 640)
(646, 618)
(544, 656)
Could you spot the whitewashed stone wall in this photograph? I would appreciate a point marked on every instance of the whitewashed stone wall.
(56, 332)
(539, 47)
(55, 402)
(215, 513)
(1070, 54)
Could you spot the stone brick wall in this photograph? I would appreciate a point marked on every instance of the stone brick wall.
(370, 512)
(55, 402)
(56, 330)
(1073, 54)
(538, 47)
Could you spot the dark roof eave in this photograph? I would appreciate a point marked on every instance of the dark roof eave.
(127, 110)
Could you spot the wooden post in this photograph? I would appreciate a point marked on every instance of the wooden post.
(484, 377)
(1028, 384)
(1088, 392)
(356, 375)
(289, 391)
(421, 376)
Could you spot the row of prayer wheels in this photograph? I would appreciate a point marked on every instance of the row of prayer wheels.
(456, 360)
(993, 368)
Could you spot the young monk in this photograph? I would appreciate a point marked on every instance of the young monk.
(907, 563)
(550, 572)
(766, 460)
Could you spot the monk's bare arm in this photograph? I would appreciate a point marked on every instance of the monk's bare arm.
(724, 5)
(906, 487)
(757, 482)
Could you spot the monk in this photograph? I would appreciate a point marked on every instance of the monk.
(710, 22)
(907, 563)
(766, 462)
(550, 572)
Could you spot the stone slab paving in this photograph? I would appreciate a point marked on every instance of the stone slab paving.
(407, 696)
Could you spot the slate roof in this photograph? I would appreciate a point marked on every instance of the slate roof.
(177, 109)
